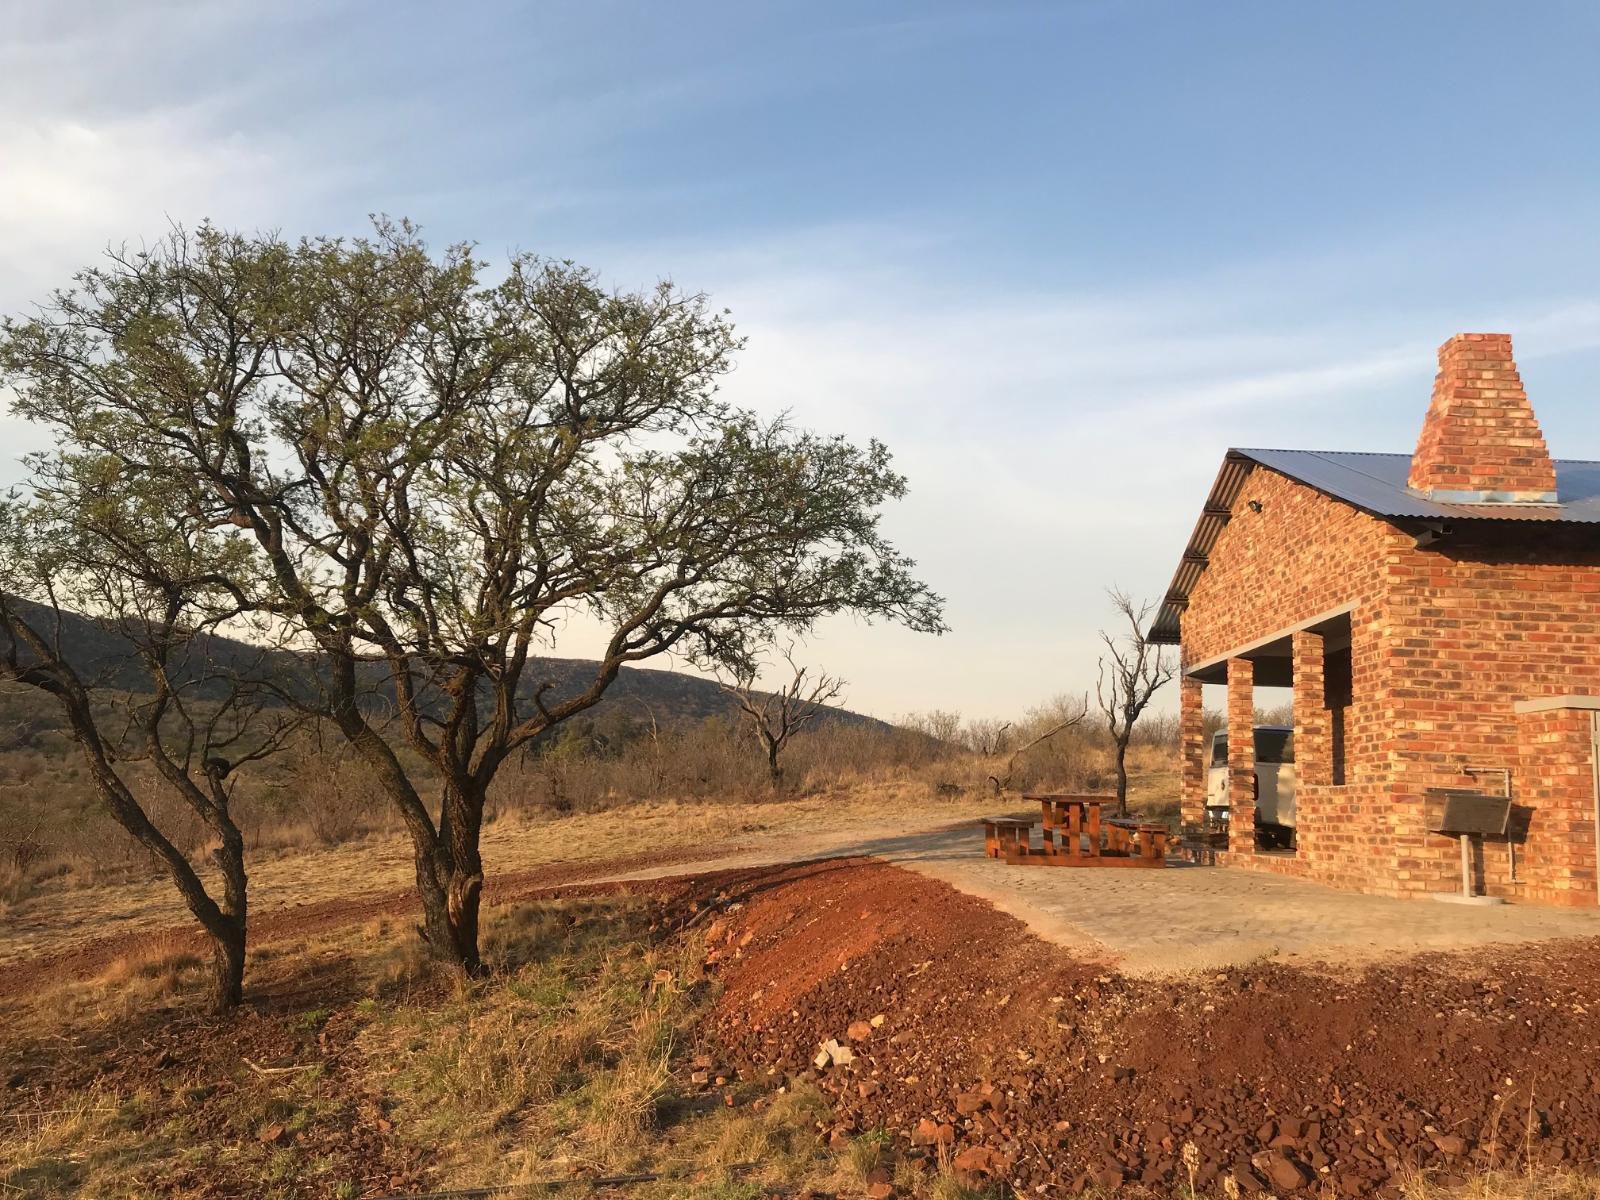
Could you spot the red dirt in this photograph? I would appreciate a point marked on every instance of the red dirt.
(1046, 1069)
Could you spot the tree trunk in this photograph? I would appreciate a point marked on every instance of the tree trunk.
(228, 935)
(224, 923)
(448, 866)
(774, 771)
(227, 966)
(1122, 778)
(450, 879)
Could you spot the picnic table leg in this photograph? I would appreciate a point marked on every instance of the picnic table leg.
(1094, 830)
(1075, 829)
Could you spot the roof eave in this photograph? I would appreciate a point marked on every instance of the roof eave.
(1166, 629)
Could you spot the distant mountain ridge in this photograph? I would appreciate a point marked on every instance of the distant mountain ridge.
(104, 656)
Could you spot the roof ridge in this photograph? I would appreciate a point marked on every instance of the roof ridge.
(1573, 462)
(1287, 450)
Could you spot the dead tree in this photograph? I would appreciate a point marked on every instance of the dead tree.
(773, 718)
(1132, 670)
(1074, 716)
(988, 736)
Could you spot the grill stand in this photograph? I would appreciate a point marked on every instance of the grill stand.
(1467, 895)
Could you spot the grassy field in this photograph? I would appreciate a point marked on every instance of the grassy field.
(59, 915)
(579, 1057)
(360, 1072)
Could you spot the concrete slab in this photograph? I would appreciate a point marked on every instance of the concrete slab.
(1186, 918)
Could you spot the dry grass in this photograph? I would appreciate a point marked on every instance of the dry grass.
(1509, 1185)
(565, 1055)
(573, 1058)
(58, 917)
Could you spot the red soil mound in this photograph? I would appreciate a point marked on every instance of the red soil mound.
(1039, 1067)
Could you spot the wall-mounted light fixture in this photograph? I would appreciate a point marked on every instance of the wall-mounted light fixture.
(1254, 506)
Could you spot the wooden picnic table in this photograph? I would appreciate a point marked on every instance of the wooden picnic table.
(1067, 817)
(1072, 835)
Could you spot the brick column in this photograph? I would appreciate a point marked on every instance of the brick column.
(1192, 735)
(1241, 756)
(1313, 762)
(1558, 779)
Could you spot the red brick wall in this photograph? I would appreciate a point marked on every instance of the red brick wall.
(1445, 641)
(1478, 623)
(1480, 433)
(1303, 555)
(1558, 787)
(1241, 756)
(1194, 748)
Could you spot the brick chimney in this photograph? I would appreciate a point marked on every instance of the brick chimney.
(1480, 442)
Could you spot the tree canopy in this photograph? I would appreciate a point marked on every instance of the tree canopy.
(408, 468)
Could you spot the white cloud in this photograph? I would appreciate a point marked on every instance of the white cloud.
(1057, 439)
(1060, 443)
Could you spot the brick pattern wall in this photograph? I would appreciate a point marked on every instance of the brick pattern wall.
(1558, 863)
(1444, 641)
(1478, 623)
(1301, 556)
(1317, 830)
(1194, 750)
(1241, 757)
(1480, 433)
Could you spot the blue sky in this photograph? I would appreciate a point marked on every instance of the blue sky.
(1059, 256)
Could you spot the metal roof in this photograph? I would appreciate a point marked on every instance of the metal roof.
(1374, 483)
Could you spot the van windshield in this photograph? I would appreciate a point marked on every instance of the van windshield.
(1274, 746)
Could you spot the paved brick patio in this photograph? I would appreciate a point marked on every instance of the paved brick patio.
(1188, 918)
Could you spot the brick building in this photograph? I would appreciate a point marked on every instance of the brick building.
(1438, 618)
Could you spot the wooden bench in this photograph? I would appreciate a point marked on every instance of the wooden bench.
(1202, 842)
(1069, 819)
(1005, 836)
(1146, 839)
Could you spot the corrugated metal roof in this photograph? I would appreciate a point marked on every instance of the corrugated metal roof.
(1375, 483)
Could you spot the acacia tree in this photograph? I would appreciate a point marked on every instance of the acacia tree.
(93, 545)
(773, 718)
(1132, 670)
(430, 473)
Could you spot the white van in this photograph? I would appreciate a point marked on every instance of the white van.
(1274, 784)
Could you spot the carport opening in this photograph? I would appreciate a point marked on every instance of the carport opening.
(1280, 762)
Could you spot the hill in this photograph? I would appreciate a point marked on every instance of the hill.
(104, 656)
